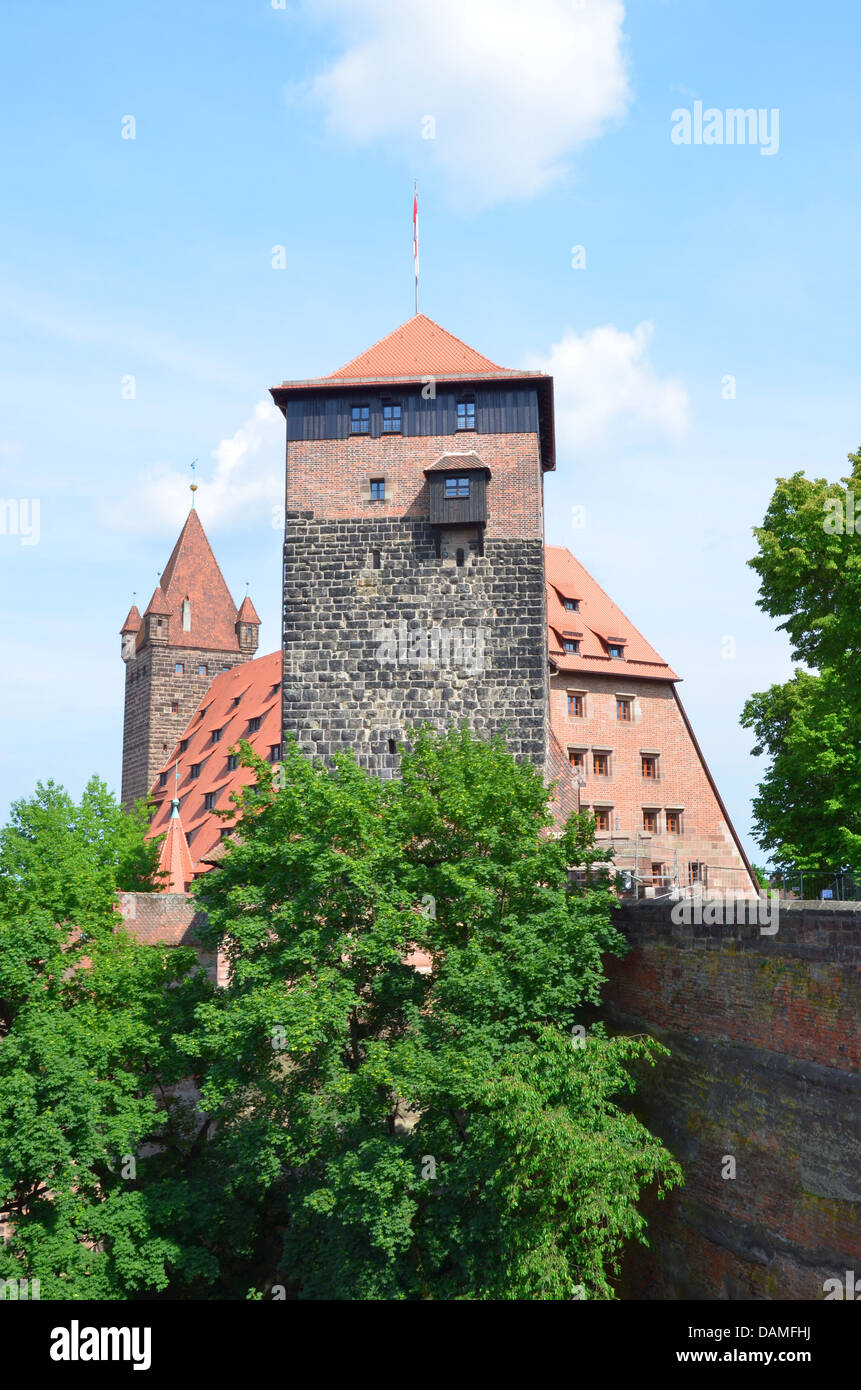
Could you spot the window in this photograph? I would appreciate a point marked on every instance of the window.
(577, 759)
(393, 747)
(232, 762)
(457, 487)
(216, 735)
(375, 559)
(658, 875)
(178, 669)
(209, 801)
(391, 419)
(360, 419)
(224, 668)
(698, 873)
(378, 489)
(572, 604)
(674, 822)
(254, 725)
(576, 705)
(274, 752)
(174, 706)
(236, 700)
(650, 822)
(194, 771)
(466, 415)
(162, 781)
(571, 646)
(624, 709)
(459, 559)
(602, 818)
(601, 764)
(201, 670)
(183, 744)
(617, 652)
(226, 831)
(649, 766)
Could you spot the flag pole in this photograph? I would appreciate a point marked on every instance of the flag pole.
(416, 237)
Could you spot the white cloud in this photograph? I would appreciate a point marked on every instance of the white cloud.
(606, 389)
(246, 482)
(513, 88)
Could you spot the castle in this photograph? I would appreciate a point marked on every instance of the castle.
(417, 588)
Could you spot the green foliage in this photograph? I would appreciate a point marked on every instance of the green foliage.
(86, 1023)
(808, 810)
(341, 1076)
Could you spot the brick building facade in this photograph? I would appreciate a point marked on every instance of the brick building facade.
(413, 555)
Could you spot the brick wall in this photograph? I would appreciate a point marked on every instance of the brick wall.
(168, 919)
(765, 1036)
(656, 727)
(355, 568)
(151, 727)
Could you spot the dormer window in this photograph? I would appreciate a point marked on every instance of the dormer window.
(254, 724)
(572, 605)
(391, 419)
(457, 487)
(466, 415)
(615, 651)
(360, 419)
(186, 615)
(571, 646)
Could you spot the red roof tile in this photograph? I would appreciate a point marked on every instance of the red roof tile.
(192, 572)
(132, 622)
(174, 857)
(419, 347)
(252, 683)
(598, 620)
(247, 612)
(157, 604)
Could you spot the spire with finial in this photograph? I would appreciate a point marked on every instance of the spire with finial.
(192, 487)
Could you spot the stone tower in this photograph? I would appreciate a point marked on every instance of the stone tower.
(413, 555)
(190, 631)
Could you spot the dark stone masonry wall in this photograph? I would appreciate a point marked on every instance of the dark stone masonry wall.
(370, 652)
(765, 1037)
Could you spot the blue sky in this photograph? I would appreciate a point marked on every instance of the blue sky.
(302, 127)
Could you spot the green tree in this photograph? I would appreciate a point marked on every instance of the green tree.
(87, 1058)
(808, 809)
(447, 1134)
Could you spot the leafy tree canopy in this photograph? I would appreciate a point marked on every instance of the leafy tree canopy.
(808, 809)
(437, 1134)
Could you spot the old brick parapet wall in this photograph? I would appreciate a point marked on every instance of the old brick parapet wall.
(764, 1033)
(168, 919)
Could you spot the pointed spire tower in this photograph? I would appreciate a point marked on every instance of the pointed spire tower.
(191, 630)
(174, 859)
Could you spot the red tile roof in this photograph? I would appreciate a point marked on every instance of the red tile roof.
(132, 622)
(419, 349)
(253, 683)
(247, 612)
(597, 624)
(192, 572)
(157, 604)
(174, 857)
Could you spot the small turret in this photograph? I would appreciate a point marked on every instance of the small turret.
(247, 626)
(129, 632)
(156, 619)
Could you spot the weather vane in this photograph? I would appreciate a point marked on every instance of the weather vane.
(192, 485)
